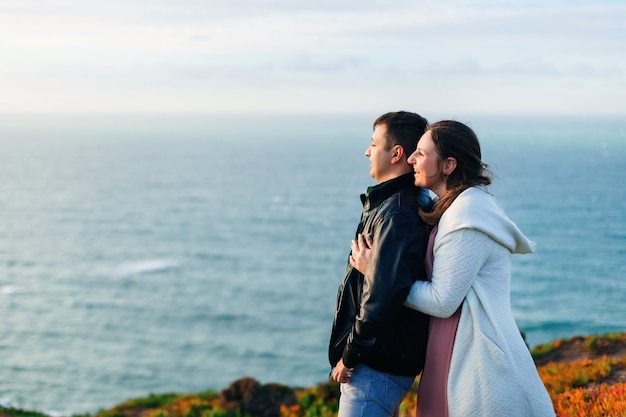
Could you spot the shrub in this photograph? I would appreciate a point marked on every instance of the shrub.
(560, 377)
(600, 401)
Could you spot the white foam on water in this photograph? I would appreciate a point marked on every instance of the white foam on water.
(145, 266)
(11, 289)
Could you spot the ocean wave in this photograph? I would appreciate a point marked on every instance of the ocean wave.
(145, 266)
(11, 289)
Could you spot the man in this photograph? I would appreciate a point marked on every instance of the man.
(377, 345)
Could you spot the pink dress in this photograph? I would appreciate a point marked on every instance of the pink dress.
(432, 394)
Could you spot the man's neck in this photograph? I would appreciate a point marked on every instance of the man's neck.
(382, 189)
(395, 174)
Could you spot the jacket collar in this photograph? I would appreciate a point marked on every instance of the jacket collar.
(376, 194)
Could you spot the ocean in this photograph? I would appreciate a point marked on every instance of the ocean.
(177, 253)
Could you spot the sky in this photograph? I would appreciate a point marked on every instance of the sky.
(322, 56)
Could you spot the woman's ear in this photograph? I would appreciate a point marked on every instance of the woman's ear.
(449, 165)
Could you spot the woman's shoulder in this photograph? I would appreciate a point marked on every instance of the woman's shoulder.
(476, 208)
(472, 203)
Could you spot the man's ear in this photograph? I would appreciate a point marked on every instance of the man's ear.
(397, 154)
(449, 165)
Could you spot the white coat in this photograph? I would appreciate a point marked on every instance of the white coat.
(491, 371)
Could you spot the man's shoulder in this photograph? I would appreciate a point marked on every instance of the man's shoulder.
(406, 202)
(410, 197)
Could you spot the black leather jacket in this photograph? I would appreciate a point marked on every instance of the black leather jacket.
(371, 323)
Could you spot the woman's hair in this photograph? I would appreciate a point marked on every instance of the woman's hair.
(455, 140)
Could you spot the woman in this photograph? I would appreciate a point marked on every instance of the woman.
(477, 363)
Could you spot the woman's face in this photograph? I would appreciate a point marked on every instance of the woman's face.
(426, 164)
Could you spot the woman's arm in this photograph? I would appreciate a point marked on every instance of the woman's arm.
(458, 258)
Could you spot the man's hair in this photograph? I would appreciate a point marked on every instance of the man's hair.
(403, 128)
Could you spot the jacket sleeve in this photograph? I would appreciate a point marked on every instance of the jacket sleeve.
(458, 258)
(396, 262)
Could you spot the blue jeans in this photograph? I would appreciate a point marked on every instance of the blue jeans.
(371, 393)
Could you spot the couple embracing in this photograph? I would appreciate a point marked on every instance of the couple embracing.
(427, 284)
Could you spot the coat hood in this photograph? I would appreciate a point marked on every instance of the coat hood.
(476, 208)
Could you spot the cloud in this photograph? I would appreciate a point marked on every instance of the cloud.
(127, 55)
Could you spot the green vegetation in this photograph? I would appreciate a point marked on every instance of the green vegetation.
(577, 373)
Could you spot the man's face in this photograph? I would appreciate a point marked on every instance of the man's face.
(380, 155)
